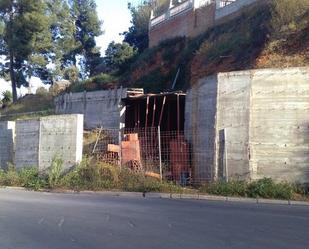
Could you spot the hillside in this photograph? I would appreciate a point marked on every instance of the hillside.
(246, 42)
(252, 41)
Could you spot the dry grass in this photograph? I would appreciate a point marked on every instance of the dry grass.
(29, 106)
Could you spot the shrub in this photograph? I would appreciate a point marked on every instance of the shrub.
(11, 177)
(233, 188)
(267, 188)
(286, 12)
(30, 178)
(55, 172)
(42, 91)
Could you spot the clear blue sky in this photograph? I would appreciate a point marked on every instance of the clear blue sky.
(116, 19)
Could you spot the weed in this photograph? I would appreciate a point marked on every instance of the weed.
(267, 188)
(30, 178)
(55, 171)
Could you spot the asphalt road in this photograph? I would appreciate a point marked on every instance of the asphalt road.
(30, 220)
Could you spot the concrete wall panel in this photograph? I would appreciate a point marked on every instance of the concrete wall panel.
(100, 108)
(233, 117)
(279, 129)
(200, 113)
(27, 143)
(61, 136)
(7, 137)
(38, 141)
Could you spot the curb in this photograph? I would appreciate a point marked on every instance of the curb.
(172, 196)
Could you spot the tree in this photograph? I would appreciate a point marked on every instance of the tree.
(63, 30)
(6, 98)
(24, 39)
(117, 54)
(88, 27)
(137, 35)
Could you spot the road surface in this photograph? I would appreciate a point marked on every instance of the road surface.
(30, 220)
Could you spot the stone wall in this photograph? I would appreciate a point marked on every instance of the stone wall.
(38, 141)
(250, 124)
(7, 136)
(100, 108)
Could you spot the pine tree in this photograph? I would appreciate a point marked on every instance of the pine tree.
(25, 40)
(88, 27)
(62, 29)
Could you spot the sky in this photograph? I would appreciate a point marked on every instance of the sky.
(116, 19)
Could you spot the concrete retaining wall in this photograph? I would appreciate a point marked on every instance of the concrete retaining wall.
(258, 121)
(38, 141)
(279, 127)
(100, 108)
(7, 137)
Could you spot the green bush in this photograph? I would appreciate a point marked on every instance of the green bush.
(285, 14)
(55, 172)
(30, 178)
(267, 188)
(264, 188)
(233, 188)
(11, 177)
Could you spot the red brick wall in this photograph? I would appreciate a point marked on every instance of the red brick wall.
(189, 24)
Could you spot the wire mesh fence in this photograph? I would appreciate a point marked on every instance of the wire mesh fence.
(158, 154)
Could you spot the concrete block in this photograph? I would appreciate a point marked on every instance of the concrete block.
(38, 141)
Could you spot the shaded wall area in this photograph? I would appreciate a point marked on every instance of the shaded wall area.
(152, 110)
(7, 136)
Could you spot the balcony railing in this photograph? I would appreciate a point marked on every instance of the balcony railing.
(182, 7)
(173, 12)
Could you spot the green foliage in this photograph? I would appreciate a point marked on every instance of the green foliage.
(7, 98)
(233, 188)
(99, 82)
(25, 39)
(55, 171)
(137, 35)
(10, 177)
(267, 188)
(32, 105)
(88, 27)
(117, 54)
(264, 188)
(30, 178)
(285, 14)
(71, 73)
(93, 175)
